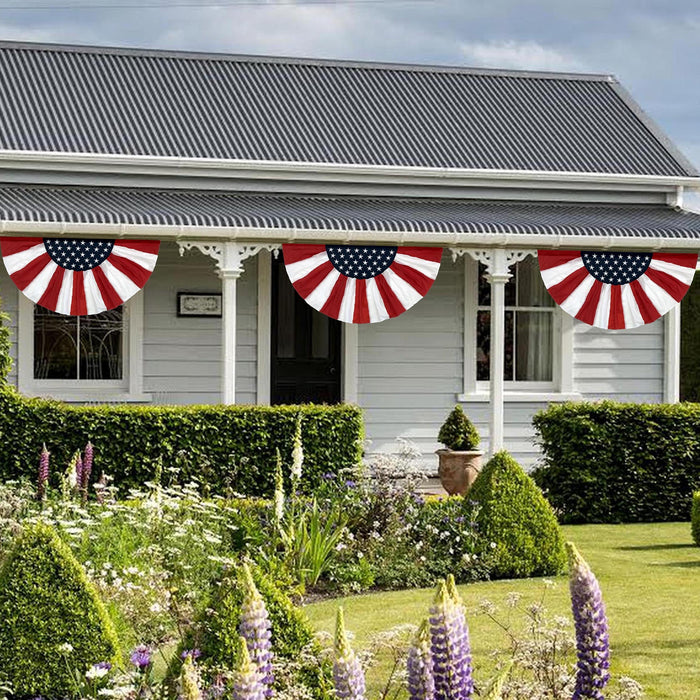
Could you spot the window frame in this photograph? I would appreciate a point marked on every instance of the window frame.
(127, 389)
(561, 386)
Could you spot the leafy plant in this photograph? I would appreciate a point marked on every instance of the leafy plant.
(695, 518)
(458, 432)
(5, 358)
(609, 462)
(518, 526)
(227, 449)
(51, 618)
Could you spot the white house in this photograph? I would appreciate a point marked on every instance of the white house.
(224, 158)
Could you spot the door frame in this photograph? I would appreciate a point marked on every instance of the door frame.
(349, 339)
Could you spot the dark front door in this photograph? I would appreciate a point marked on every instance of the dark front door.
(305, 347)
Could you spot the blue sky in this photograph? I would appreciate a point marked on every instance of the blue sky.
(653, 46)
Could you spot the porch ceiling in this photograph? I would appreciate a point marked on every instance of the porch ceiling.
(173, 213)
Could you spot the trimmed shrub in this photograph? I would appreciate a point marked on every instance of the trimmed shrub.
(612, 462)
(513, 515)
(5, 359)
(223, 447)
(217, 636)
(46, 601)
(695, 518)
(458, 432)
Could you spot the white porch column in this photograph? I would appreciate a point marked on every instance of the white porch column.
(497, 277)
(497, 262)
(229, 257)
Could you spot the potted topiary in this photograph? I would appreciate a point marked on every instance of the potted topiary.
(460, 461)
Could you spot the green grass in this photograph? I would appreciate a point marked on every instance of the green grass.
(650, 576)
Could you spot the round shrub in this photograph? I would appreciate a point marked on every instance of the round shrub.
(520, 533)
(695, 518)
(458, 432)
(46, 602)
(216, 633)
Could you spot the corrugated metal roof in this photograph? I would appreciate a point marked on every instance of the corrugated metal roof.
(121, 101)
(216, 209)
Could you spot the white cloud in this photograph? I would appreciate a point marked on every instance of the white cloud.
(520, 55)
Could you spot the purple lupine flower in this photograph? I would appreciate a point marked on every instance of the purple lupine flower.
(87, 467)
(255, 628)
(419, 664)
(43, 478)
(247, 682)
(194, 654)
(141, 657)
(451, 651)
(348, 676)
(592, 642)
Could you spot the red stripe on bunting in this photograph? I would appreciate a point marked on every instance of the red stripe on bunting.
(673, 286)
(552, 258)
(137, 274)
(10, 246)
(23, 277)
(298, 251)
(49, 299)
(78, 305)
(684, 259)
(560, 292)
(361, 314)
(646, 308)
(417, 280)
(616, 318)
(587, 311)
(335, 300)
(109, 295)
(307, 284)
(151, 247)
(391, 302)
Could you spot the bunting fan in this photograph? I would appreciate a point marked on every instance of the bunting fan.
(361, 284)
(78, 277)
(616, 290)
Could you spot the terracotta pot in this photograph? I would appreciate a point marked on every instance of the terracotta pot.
(458, 470)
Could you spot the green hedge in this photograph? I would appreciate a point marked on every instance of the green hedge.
(611, 462)
(5, 359)
(224, 447)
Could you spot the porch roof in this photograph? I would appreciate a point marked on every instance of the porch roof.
(211, 214)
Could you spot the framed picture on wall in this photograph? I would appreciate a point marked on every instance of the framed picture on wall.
(199, 304)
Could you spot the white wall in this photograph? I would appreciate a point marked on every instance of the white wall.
(182, 356)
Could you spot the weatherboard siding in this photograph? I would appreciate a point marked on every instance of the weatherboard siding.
(182, 356)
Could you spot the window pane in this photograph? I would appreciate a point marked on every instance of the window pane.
(531, 289)
(534, 351)
(320, 347)
(55, 345)
(483, 346)
(286, 320)
(485, 288)
(101, 345)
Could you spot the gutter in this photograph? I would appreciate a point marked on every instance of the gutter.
(244, 234)
(116, 164)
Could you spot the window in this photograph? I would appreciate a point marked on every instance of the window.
(78, 347)
(538, 337)
(81, 358)
(529, 327)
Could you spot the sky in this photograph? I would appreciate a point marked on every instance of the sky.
(652, 46)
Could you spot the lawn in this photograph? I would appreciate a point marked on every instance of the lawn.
(650, 576)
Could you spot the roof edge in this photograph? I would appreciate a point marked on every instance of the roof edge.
(300, 60)
(212, 167)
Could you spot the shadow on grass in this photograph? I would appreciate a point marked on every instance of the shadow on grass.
(680, 564)
(657, 547)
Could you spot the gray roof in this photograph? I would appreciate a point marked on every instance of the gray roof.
(125, 101)
(344, 214)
